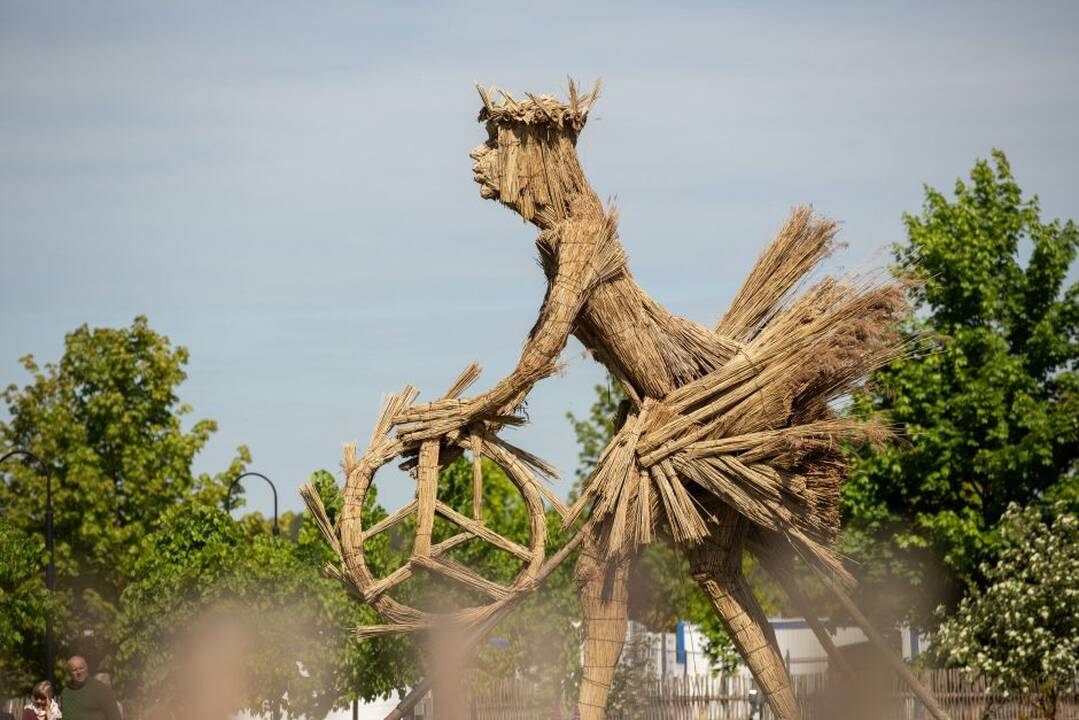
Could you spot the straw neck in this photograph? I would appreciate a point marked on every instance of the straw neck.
(583, 204)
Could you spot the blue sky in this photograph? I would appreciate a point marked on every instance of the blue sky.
(285, 189)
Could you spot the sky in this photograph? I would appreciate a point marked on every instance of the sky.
(285, 188)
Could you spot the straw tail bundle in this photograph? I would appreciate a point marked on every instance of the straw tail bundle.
(757, 432)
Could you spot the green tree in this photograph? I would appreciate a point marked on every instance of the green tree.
(24, 604)
(986, 398)
(288, 624)
(1022, 631)
(595, 432)
(364, 669)
(142, 550)
(108, 422)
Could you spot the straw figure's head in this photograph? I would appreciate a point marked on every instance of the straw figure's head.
(529, 162)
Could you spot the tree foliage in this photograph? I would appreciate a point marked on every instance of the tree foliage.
(107, 420)
(24, 604)
(288, 624)
(142, 550)
(595, 432)
(364, 669)
(986, 400)
(635, 672)
(1022, 631)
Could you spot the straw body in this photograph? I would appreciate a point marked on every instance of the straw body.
(727, 436)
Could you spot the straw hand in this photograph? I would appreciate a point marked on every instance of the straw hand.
(450, 416)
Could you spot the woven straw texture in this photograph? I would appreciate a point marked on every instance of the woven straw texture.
(727, 440)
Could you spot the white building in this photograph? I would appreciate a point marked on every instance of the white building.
(682, 652)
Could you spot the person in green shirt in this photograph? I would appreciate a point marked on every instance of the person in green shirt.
(85, 698)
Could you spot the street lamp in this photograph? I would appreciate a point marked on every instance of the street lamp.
(50, 569)
(228, 497)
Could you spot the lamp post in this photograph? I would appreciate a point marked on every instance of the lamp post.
(228, 497)
(50, 569)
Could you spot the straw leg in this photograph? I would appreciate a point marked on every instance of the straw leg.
(604, 592)
(716, 565)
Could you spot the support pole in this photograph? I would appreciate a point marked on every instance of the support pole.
(881, 644)
(416, 694)
(790, 586)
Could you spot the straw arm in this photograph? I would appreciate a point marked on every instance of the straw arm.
(541, 350)
(538, 361)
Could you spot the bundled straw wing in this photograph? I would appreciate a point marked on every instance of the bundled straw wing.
(757, 431)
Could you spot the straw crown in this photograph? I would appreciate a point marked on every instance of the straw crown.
(538, 109)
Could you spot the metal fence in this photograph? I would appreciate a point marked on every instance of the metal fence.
(731, 698)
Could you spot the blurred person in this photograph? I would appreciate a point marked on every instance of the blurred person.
(105, 678)
(86, 698)
(42, 703)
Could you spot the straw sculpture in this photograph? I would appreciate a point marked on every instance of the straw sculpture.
(727, 441)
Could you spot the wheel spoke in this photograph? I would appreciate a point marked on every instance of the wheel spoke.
(452, 542)
(489, 535)
(464, 575)
(397, 577)
(426, 496)
(387, 522)
(431, 556)
(404, 572)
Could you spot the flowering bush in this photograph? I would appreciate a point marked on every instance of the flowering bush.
(1022, 631)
